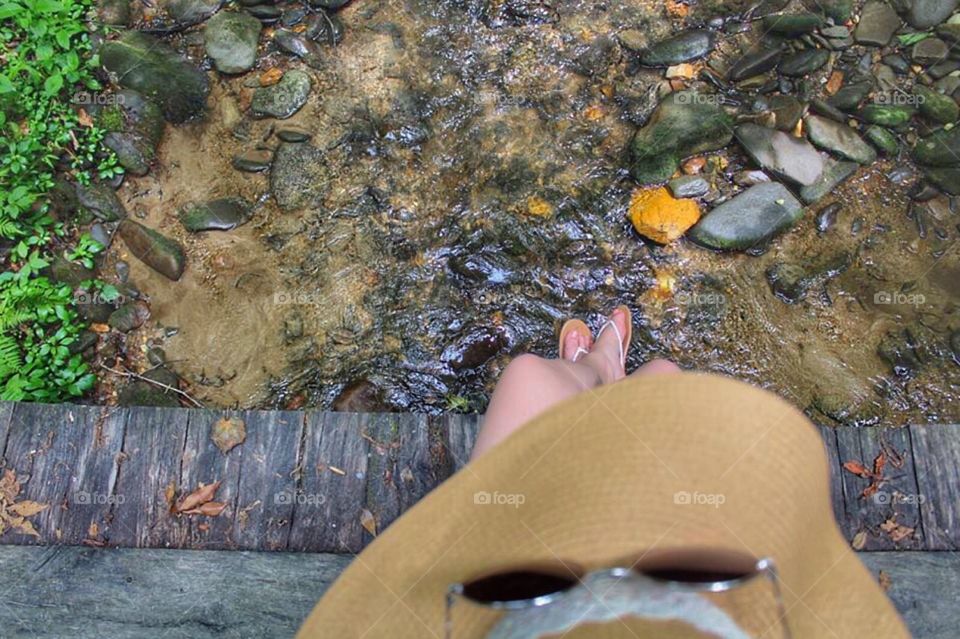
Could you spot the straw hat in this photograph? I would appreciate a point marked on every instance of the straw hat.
(649, 463)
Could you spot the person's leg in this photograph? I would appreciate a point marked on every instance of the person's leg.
(530, 384)
(656, 367)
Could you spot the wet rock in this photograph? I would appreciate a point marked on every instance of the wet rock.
(821, 107)
(929, 51)
(789, 282)
(834, 174)
(143, 63)
(101, 201)
(896, 350)
(231, 40)
(850, 95)
(878, 23)
(754, 63)
(484, 267)
(473, 349)
(792, 24)
(750, 177)
(748, 219)
(284, 98)
(634, 40)
(786, 110)
(837, 392)
(299, 177)
(217, 215)
(254, 161)
(684, 124)
(882, 139)
(941, 148)
(597, 57)
(188, 12)
(803, 62)
(265, 13)
(839, 138)
(63, 270)
(329, 5)
(325, 28)
(946, 178)
(887, 115)
(303, 48)
(950, 31)
(153, 249)
(924, 14)
(135, 127)
(827, 217)
(361, 396)
(102, 234)
(838, 10)
(293, 134)
(897, 62)
(657, 215)
(688, 186)
(683, 47)
(86, 339)
(783, 155)
(143, 393)
(114, 12)
(936, 106)
(129, 316)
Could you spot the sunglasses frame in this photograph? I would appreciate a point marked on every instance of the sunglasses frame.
(764, 567)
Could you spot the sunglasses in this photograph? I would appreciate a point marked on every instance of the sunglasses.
(718, 591)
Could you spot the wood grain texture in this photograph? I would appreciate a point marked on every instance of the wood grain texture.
(77, 593)
(936, 453)
(6, 411)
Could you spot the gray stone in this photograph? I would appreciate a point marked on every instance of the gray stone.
(683, 47)
(924, 14)
(786, 110)
(839, 138)
(803, 62)
(792, 24)
(878, 23)
(688, 186)
(929, 51)
(754, 63)
(284, 98)
(217, 215)
(299, 177)
(129, 316)
(187, 12)
(102, 201)
(785, 156)
(134, 126)
(850, 95)
(882, 138)
(935, 106)
(684, 124)
(834, 174)
(153, 249)
(753, 216)
(114, 12)
(255, 161)
(63, 270)
(940, 148)
(231, 40)
(946, 178)
(141, 62)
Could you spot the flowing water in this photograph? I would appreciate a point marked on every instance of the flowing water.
(478, 198)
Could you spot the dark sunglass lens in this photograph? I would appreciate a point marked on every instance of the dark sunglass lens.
(518, 585)
(692, 575)
(697, 566)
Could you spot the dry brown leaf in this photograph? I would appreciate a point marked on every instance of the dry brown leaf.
(201, 495)
(859, 540)
(84, 119)
(856, 468)
(834, 83)
(9, 486)
(209, 509)
(99, 328)
(884, 580)
(228, 433)
(93, 530)
(896, 532)
(27, 508)
(270, 77)
(170, 495)
(368, 522)
(27, 528)
(870, 490)
(879, 463)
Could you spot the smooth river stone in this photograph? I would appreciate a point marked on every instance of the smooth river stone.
(785, 156)
(754, 63)
(935, 106)
(284, 98)
(299, 177)
(153, 249)
(792, 24)
(839, 138)
(878, 23)
(941, 148)
(755, 215)
(231, 38)
(217, 215)
(924, 14)
(804, 62)
(834, 174)
(850, 95)
(683, 47)
(929, 51)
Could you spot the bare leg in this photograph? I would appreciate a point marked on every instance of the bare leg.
(530, 384)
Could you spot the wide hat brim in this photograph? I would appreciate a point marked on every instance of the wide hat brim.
(628, 467)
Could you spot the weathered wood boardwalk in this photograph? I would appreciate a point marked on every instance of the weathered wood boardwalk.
(319, 482)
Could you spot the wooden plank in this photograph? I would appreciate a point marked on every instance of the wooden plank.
(936, 452)
(924, 587)
(94, 477)
(6, 411)
(834, 464)
(268, 472)
(332, 491)
(68, 592)
(150, 462)
(203, 463)
(461, 435)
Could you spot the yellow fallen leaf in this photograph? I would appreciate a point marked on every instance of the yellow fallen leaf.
(27, 508)
(228, 433)
(368, 522)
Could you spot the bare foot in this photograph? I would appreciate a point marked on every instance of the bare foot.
(576, 345)
(608, 349)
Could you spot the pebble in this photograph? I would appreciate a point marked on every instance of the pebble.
(787, 157)
(253, 161)
(839, 138)
(157, 251)
(882, 139)
(222, 214)
(804, 62)
(683, 47)
(929, 51)
(878, 23)
(688, 186)
(750, 218)
(284, 98)
(293, 134)
(754, 63)
(834, 174)
(230, 38)
(659, 216)
(827, 217)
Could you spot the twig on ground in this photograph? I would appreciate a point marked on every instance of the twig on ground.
(127, 373)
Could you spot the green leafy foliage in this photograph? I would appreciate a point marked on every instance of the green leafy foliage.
(47, 61)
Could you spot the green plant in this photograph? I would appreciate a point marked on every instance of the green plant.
(85, 250)
(47, 60)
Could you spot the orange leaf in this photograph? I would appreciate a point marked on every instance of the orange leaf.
(227, 433)
(856, 468)
(84, 119)
(27, 528)
(209, 509)
(201, 495)
(879, 463)
(368, 522)
(28, 508)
